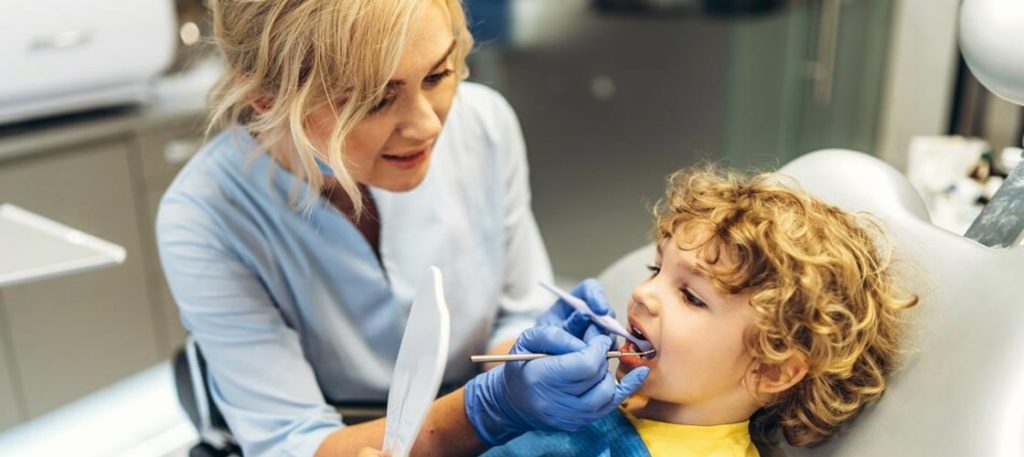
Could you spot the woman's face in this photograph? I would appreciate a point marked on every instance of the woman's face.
(391, 148)
(698, 332)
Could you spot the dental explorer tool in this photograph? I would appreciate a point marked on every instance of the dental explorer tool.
(522, 357)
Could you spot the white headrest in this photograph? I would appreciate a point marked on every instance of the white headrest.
(961, 389)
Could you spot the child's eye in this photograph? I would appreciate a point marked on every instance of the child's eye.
(690, 297)
(437, 77)
(654, 269)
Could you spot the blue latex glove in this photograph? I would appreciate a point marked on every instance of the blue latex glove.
(562, 314)
(590, 291)
(561, 393)
(580, 326)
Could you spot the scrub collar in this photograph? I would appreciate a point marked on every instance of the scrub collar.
(324, 168)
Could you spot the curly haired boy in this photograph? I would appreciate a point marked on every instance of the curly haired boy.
(766, 306)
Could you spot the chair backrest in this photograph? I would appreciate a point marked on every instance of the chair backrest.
(961, 388)
(621, 277)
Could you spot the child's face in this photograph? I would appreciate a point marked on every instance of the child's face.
(698, 332)
(392, 147)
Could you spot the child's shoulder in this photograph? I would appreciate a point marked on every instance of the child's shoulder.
(611, 436)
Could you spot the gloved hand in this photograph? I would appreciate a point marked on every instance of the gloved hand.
(590, 291)
(578, 324)
(565, 392)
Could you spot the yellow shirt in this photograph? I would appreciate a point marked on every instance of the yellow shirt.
(675, 440)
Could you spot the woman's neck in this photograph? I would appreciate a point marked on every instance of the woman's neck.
(331, 188)
(340, 199)
(368, 222)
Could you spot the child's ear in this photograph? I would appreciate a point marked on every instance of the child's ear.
(772, 379)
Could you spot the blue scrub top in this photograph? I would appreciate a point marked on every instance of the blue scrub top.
(293, 309)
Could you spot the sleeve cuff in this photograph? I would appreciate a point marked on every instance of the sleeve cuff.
(311, 441)
(509, 329)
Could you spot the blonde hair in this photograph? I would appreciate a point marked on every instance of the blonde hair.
(303, 54)
(820, 289)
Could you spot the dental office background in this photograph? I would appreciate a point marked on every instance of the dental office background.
(99, 108)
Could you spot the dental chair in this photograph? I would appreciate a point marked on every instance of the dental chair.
(960, 391)
(190, 381)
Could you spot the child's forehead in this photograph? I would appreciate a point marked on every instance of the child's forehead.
(693, 266)
(704, 255)
(706, 246)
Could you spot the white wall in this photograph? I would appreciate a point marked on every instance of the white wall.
(921, 75)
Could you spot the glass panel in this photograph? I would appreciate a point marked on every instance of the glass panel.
(613, 100)
(784, 99)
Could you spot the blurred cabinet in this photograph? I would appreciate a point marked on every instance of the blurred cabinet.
(805, 78)
(609, 104)
(9, 408)
(612, 100)
(62, 338)
(74, 334)
(161, 154)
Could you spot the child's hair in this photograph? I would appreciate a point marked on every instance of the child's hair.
(820, 290)
(300, 55)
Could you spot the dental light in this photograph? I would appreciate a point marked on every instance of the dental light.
(992, 42)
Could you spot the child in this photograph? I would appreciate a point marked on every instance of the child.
(770, 310)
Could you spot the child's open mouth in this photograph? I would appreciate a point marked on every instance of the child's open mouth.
(637, 332)
(632, 361)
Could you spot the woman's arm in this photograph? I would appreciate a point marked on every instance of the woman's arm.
(258, 376)
(564, 392)
(446, 431)
(498, 349)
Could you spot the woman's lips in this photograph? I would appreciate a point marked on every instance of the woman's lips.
(406, 161)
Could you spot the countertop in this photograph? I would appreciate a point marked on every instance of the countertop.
(176, 98)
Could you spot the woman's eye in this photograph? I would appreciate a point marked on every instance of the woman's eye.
(383, 103)
(654, 269)
(692, 299)
(437, 77)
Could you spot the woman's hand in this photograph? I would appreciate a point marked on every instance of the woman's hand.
(565, 392)
(588, 290)
(370, 452)
(563, 315)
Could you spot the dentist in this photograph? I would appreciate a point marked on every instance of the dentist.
(350, 156)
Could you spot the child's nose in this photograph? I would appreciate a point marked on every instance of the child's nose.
(644, 297)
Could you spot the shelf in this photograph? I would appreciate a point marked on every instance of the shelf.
(35, 248)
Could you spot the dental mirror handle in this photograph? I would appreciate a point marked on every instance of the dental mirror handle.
(606, 321)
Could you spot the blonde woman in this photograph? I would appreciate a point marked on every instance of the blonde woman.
(350, 159)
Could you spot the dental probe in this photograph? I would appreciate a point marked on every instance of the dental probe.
(521, 357)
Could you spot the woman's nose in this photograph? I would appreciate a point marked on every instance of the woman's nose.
(422, 122)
